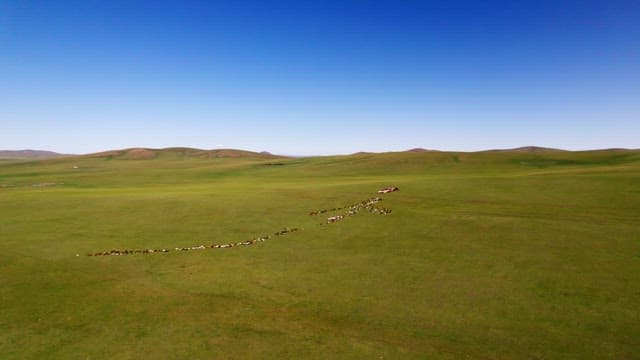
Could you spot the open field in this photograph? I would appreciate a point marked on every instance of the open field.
(505, 255)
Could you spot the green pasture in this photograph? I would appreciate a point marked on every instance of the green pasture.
(492, 255)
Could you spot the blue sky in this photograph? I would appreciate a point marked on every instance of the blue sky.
(319, 77)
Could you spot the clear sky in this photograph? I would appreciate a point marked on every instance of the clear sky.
(319, 77)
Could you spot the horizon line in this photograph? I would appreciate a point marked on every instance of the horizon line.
(530, 148)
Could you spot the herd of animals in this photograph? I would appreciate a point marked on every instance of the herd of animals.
(198, 247)
(368, 205)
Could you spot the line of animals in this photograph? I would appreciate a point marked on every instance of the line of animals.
(369, 204)
(363, 203)
(117, 252)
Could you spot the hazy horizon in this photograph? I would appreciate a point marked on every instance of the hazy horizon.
(309, 78)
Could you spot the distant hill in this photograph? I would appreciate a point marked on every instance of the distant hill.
(177, 152)
(529, 149)
(29, 154)
(422, 150)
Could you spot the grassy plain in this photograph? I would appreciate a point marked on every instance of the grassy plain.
(505, 255)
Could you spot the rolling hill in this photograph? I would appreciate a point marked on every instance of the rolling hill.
(178, 152)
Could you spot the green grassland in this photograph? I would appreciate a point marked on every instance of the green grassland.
(500, 255)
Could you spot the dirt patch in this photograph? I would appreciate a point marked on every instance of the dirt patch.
(106, 154)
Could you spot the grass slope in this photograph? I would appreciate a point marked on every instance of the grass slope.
(486, 255)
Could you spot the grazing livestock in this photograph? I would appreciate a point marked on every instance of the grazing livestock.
(351, 210)
(388, 190)
(332, 219)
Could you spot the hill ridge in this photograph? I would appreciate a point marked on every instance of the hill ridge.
(143, 153)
